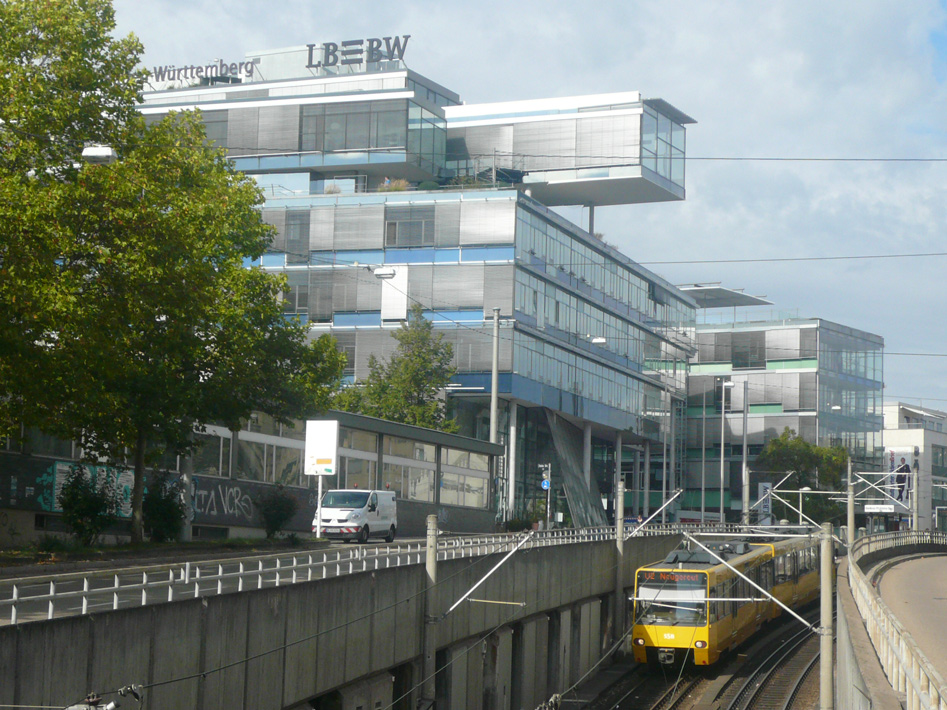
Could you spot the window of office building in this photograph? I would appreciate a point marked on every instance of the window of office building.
(409, 226)
(357, 473)
(362, 125)
(662, 145)
(409, 449)
(212, 457)
(358, 440)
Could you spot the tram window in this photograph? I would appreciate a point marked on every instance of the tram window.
(712, 618)
(766, 575)
(781, 568)
(671, 599)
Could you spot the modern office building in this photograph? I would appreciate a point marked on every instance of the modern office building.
(387, 191)
(917, 435)
(821, 379)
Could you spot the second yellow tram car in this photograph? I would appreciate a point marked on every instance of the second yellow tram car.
(690, 608)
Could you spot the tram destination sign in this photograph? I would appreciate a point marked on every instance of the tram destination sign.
(660, 576)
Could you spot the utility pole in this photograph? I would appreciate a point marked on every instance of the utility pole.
(851, 507)
(430, 618)
(826, 659)
(618, 618)
(547, 485)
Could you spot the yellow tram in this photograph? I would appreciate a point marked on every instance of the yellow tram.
(690, 608)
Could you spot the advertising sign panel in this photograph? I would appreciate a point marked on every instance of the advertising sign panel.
(322, 448)
(902, 464)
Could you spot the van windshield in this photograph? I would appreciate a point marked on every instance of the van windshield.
(345, 499)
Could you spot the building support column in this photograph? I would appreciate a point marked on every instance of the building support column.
(511, 463)
(636, 485)
(646, 473)
(587, 454)
(618, 477)
(673, 483)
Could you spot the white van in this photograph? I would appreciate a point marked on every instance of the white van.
(357, 514)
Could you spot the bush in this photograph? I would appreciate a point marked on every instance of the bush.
(163, 508)
(88, 505)
(396, 185)
(429, 185)
(276, 507)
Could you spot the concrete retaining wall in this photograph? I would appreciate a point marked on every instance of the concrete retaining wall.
(860, 682)
(341, 634)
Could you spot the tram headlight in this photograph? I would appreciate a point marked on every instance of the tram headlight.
(700, 644)
(639, 642)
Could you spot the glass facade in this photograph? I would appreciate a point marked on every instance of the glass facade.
(589, 338)
(820, 379)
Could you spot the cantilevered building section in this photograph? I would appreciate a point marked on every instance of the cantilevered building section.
(371, 166)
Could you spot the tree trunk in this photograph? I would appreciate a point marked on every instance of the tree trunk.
(138, 489)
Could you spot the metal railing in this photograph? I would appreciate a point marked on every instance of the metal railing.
(45, 597)
(908, 670)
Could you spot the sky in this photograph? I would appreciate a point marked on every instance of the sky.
(799, 82)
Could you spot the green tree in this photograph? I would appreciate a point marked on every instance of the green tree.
(408, 388)
(164, 508)
(158, 323)
(276, 507)
(89, 502)
(65, 81)
(818, 467)
(126, 310)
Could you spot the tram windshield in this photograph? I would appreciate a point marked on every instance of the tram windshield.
(671, 598)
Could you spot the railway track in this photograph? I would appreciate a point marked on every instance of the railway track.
(785, 658)
(773, 682)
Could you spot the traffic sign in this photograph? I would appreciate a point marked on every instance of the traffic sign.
(545, 484)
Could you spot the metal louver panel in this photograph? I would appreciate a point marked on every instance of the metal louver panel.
(344, 290)
(321, 228)
(608, 140)
(372, 342)
(421, 286)
(545, 145)
(320, 295)
(368, 297)
(277, 218)
(278, 129)
(242, 130)
(447, 224)
(485, 142)
(361, 227)
(487, 222)
(458, 287)
(498, 290)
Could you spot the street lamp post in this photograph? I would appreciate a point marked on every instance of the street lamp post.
(745, 471)
(724, 384)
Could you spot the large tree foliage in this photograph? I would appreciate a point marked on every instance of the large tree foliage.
(65, 82)
(408, 388)
(128, 313)
(818, 467)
